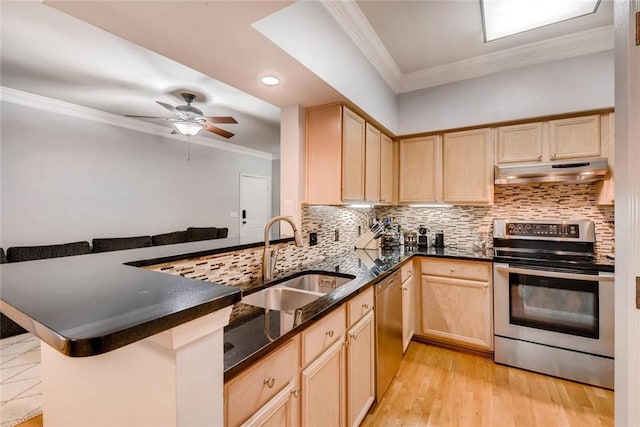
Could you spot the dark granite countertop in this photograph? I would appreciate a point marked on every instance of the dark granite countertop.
(246, 339)
(91, 304)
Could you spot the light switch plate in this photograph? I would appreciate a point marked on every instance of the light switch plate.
(638, 293)
(233, 214)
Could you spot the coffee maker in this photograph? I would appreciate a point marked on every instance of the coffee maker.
(424, 238)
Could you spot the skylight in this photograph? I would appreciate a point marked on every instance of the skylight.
(501, 18)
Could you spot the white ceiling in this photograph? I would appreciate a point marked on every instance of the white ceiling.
(124, 67)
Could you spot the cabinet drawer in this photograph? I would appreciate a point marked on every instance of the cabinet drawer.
(360, 305)
(320, 336)
(407, 271)
(475, 270)
(245, 394)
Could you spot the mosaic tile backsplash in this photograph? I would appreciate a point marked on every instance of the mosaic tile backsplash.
(337, 228)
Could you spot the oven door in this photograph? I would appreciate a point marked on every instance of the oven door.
(564, 309)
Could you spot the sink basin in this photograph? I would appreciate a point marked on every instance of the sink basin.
(322, 283)
(280, 298)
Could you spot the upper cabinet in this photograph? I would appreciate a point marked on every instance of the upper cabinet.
(372, 164)
(347, 158)
(420, 169)
(468, 167)
(560, 139)
(574, 137)
(386, 169)
(519, 143)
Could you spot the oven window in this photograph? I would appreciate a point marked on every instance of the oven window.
(560, 305)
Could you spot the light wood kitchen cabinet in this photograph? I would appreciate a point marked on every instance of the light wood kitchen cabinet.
(456, 303)
(408, 305)
(259, 385)
(323, 388)
(519, 143)
(606, 189)
(420, 169)
(281, 411)
(386, 169)
(372, 164)
(360, 369)
(550, 140)
(574, 137)
(468, 166)
(353, 156)
(344, 157)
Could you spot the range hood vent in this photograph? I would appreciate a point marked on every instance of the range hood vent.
(580, 171)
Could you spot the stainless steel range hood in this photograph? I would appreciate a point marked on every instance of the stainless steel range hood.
(580, 171)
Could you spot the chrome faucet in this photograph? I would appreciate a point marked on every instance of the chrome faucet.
(270, 256)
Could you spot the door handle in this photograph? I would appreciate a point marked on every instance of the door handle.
(244, 214)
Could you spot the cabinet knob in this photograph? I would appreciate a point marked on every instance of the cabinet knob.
(539, 156)
(270, 381)
(553, 156)
(354, 336)
(452, 269)
(404, 288)
(330, 333)
(296, 392)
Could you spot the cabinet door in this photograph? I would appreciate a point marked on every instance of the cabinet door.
(468, 166)
(353, 156)
(574, 137)
(372, 164)
(324, 155)
(606, 190)
(386, 169)
(457, 311)
(420, 169)
(281, 411)
(408, 311)
(520, 143)
(323, 389)
(361, 369)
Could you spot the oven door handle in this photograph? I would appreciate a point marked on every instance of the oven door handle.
(557, 274)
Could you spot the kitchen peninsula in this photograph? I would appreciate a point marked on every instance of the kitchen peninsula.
(124, 345)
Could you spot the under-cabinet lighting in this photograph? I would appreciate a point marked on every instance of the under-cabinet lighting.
(431, 206)
(501, 18)
(360, 205)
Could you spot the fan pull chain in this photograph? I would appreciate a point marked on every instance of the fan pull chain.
(188, 148)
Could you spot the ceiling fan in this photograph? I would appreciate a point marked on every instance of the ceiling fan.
(189, 120)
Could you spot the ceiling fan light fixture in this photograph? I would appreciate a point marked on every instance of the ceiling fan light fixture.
(188, 128)
(270, 80)
(502, 18)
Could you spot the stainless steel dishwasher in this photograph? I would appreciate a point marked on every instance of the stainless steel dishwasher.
(388, 314)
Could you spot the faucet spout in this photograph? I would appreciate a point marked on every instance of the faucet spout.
(269, 257)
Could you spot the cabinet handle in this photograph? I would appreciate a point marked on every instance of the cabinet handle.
(354, 336)
(296, 392)
(365, 306)
(330, 333)
(270, 381)
(404, 288)
(452, 270)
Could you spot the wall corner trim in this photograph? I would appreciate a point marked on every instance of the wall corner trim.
(44, 103)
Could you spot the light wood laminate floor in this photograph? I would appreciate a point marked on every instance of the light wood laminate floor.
(442, 387)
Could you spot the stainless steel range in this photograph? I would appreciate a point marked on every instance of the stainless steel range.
(553, 308)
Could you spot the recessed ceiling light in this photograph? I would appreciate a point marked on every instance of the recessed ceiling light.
(501, 18)
(270, 80)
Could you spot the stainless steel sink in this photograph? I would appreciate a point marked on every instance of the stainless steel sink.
(322, 283)
(280, 298)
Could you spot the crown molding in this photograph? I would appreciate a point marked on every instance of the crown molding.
(572, 45)
(350, 17)
(44, 103)
(353, 22)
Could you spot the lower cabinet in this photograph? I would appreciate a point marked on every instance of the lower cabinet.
(456, 303)
(325, 376)
(408, 305)
(323, 388)
(361, 385)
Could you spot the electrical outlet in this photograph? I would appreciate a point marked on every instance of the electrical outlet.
(337, 235)
(313, 238)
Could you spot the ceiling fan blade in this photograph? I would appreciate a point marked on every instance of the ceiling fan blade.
(167, 106)
(145, 117)
(219, 119)
(217, 130)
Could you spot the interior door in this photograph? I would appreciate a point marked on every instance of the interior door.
(255, 206)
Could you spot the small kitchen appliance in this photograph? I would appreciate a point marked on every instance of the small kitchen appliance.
(424, 239)
(439, 241)
(553, 305)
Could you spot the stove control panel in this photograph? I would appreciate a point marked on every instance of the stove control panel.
(537, 229)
